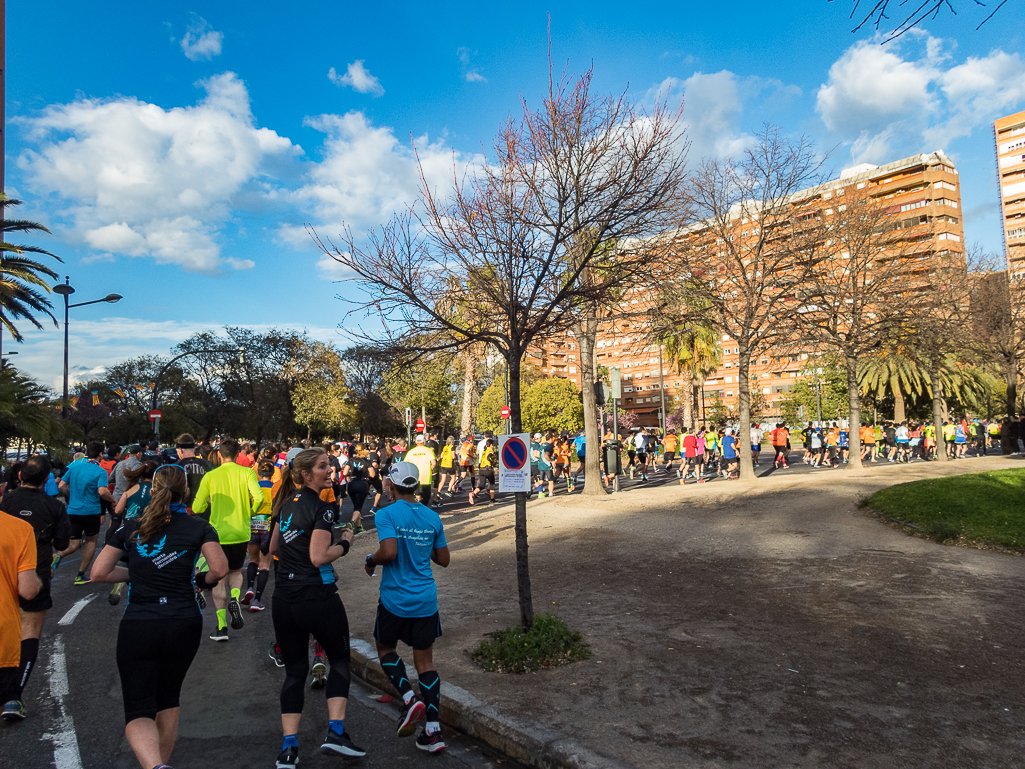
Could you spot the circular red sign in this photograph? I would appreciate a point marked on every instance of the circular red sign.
(420, 425)
(505, 412)
(154, 415)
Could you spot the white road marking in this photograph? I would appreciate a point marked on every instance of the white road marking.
(64, 739)
(74, 611)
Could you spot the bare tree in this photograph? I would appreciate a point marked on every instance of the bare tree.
(752, 246)
(578, 172)
(862, 286)
(998, 325)
(876, 14)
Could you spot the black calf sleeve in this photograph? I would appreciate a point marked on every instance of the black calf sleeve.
(251, 574)
(29, 653)
(396, 672)
(261, 582)
(338, 680)
(430, 692)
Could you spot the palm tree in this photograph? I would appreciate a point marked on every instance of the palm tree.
(695, 352)
(20, 275)
(26, 411)
(904, 375)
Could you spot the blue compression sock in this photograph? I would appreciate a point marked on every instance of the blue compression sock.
(338, 727)
(290, 741)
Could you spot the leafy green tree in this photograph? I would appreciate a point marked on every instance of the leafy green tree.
(825, 383)
(489, 410)
(27, 412)
(427, 386)
(552, 404)
(21, 277)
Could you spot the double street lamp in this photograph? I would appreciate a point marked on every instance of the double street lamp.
(65, 290)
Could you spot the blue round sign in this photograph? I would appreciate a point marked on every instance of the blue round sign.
(514, 454)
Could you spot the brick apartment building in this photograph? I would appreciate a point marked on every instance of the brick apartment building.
(1009, 138)
(921, 191)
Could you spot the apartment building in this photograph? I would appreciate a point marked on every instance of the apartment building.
(1009, 140)
(921, 192)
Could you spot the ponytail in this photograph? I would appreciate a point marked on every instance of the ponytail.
(170, 485)
(292, 476)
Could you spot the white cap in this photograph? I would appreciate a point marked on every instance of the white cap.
(405, 475)
(419, 438)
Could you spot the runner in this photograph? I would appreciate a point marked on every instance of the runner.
(535, 467)
(486, 471)
(376, 460)
(466, 452)
(756, 442)
(641, 447)
(580, 445)
(687, 467)
(306, 601)
(670, 442)
(729, 455)
(423, 458)
(780, 438)
(546, 466)
(131, 505)
(233, 495)
(131, 461)
(712, 448)
(52, 529)
(410, 537)
(258, 569)
(357, 481)
(162, 625)
(844, 443)
(19, 581)
(446, 466)
(902, 437)
(85, 484)
(195, 468)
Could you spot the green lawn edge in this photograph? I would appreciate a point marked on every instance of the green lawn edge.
(977, 509)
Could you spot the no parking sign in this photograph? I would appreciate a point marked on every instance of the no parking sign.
(514, 462)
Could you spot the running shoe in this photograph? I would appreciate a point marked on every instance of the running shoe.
(114, 597)
(319, 672)
(200, 598)
(257, 605)
(248, 597)
(275, 654)
(432, 743)
(541, 495)
(235, 611)
(221, 634)
(341, 745)
(373, 511)
(411, 713)
(56, 562)
(81, 579)
(288, 759)
(14, 711)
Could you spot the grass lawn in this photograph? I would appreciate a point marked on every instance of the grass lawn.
(977, 508)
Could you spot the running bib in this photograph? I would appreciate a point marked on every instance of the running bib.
(260, 524)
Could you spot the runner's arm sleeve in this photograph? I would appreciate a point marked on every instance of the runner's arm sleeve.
(199, 504)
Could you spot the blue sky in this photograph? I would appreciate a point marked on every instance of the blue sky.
(177, 151)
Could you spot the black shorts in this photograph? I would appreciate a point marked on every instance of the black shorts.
(642, 457)
(236, 555)
(85, 525)
(545, 474)
(425, 493)
(418, 632)
(670, 456)
(42, 601)
(261, 539)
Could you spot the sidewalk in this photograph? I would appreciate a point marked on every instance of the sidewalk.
(756, 623)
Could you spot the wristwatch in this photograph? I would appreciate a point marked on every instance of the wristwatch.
(370, 560)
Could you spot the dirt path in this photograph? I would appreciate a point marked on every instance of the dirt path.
(754, 624)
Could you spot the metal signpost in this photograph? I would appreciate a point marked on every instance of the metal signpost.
(616, 392)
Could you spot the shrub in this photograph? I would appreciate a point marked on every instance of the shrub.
(549, 643)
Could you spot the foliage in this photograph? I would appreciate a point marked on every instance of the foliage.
(319, 396)
(552, 404)
(427, 384)
(28, 413)
(802, 402)
(489, 409)
(20, 276)
(718, 412)
(977, 508)
(547, 644)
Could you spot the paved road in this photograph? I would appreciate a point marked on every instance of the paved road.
(230, 714)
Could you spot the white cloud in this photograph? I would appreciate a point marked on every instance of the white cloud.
(469, 73)
(885, 102)
(367, 176)
(331, 269)
(144, 181)
(358, 78)
(201, 41)
(712, 105)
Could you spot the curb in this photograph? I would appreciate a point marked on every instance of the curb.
(525, 741)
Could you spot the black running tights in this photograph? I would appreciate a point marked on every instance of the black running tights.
(294, 623)
(153, 656)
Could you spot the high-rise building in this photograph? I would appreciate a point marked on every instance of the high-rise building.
(1009, 136)
(921, 192)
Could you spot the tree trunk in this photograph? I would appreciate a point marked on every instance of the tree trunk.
(854, 414)
(469, 364)
(688, 398)
(520, 527)
(586, 331)
(747, 469)
(937, 409)
(898, 401)
(1011, 378)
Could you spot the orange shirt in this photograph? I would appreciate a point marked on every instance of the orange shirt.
(670, 443)
(867, 435)
(17, 554)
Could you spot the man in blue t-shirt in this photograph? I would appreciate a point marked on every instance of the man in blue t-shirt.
(729, 453)
(410, 536)
(85, 483)
(580, 444)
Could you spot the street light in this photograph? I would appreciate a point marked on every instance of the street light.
(65, 290)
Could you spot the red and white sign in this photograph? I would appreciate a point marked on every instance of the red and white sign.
(505, 412)
(154, 415)
(420, 425)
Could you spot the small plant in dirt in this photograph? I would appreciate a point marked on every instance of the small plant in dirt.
(548, 644)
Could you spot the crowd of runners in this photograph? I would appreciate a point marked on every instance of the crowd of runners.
(214, 519)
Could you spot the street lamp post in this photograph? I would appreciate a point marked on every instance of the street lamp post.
(65, 290)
